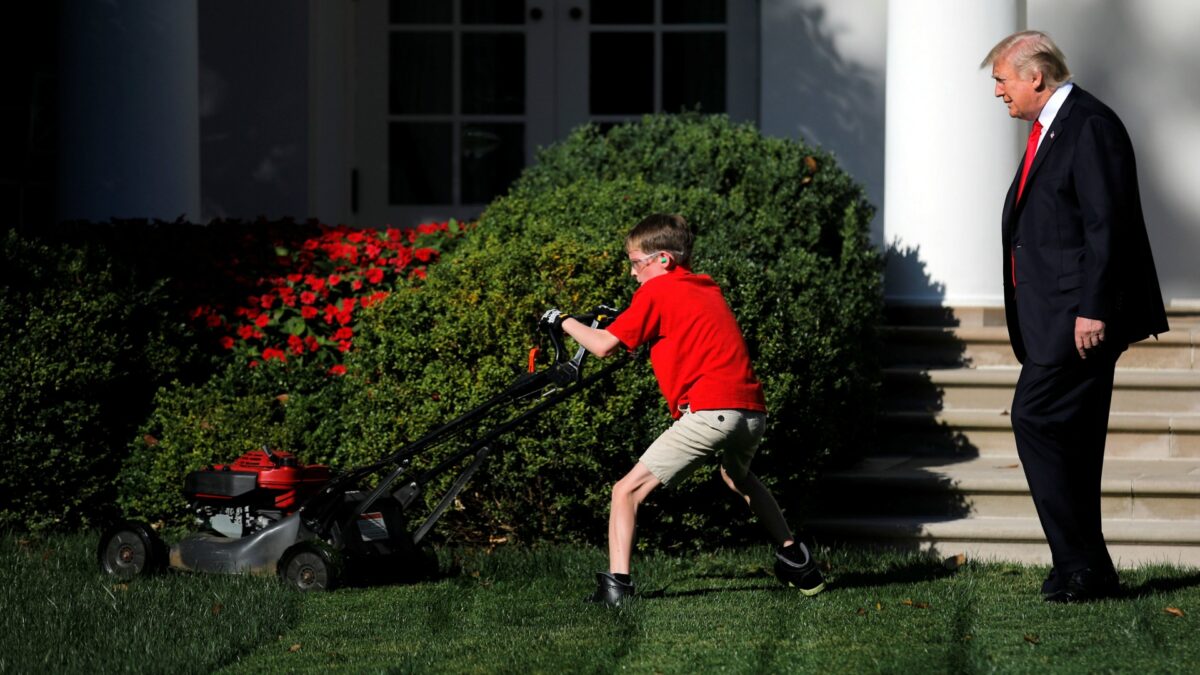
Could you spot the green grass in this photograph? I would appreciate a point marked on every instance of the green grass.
(58, 614)
(520, 610)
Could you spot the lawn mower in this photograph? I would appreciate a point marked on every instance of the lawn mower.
(267, 513)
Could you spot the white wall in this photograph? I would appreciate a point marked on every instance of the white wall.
(823, 65)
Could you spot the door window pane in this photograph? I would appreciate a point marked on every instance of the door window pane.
(622, 11)
(694, 71)
(419, 156)
(622, 74)
(419, 73)
(420, 11)
(693, 11)
(491, 11)
(493, 73)
(492, 158)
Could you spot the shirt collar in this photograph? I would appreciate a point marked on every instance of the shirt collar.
(1050, 110)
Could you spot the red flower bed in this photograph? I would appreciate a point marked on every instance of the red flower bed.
(304, 310)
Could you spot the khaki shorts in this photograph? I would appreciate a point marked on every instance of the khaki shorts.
(701, 435)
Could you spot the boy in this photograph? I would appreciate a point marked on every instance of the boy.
(703, 370)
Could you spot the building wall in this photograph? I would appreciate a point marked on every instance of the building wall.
(254, 109)
(824, 80)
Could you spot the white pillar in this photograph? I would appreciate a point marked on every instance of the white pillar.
(951, 152)
(129, 139)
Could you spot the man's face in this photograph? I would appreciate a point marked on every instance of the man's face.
(1023, 96)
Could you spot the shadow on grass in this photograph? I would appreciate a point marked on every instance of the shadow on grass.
(1161, 585)
(909, 572)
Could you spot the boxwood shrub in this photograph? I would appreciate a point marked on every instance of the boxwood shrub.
(83, 346)
(780, 227)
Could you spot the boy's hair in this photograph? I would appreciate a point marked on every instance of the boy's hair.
(663, 232)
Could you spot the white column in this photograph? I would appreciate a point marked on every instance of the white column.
(951, 152)
(129, 139)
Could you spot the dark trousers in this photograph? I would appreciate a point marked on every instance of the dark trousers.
(1060, 420)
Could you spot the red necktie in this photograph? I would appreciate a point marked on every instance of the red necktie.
(1030, 150)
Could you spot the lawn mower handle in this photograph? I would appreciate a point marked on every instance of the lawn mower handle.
(561, 379)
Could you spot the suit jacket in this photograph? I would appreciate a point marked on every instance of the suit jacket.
(1076, 242)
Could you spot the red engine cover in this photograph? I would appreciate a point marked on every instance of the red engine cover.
(281, 476)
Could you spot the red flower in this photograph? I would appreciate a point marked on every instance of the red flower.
(267, 301)
(344, 333)
(334, 280)
(311, 343)
(314, 282)
(374, 275)
(213, 321)
(273, 353)
(343, 346)
(339, 369)
(357, 285)
(246, 332)
(262, 321)
(227, 342)
(295, 344)
(308, 297)
(419, 273)
(308, 312)
(425, 254)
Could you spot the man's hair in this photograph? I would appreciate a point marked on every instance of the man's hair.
(663, 232)
(1029, 51)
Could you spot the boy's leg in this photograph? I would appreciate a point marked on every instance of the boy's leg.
(627, 494)
(763, 504)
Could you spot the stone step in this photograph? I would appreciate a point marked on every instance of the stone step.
(996, 487)
(1134, 390)
(988, 432)
(1181, 313)
(983, 346)
(1131, 543)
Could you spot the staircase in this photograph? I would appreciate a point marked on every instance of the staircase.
(946, 474)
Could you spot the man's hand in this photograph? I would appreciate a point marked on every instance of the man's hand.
(1089, 333)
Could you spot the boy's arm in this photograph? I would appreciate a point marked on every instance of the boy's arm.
(596, 340)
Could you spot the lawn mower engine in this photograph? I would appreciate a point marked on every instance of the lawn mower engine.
(258, 489)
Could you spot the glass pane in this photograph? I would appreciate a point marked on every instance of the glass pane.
(492, 158)
(622, 74)
(420, 11)
(694, 71)
(493, 73)
(694, 11)
(492, 11)
(419, 170)
(419, 73)
(622, 11)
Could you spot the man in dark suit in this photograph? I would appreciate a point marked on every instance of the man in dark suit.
(1079, 287)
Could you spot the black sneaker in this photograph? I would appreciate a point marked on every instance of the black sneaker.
(610, 591)
(796, 568)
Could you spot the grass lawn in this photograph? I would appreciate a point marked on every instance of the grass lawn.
(520, 610)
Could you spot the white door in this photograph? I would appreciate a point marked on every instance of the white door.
(453, 97)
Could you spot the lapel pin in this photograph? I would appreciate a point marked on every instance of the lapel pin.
(1051, 135)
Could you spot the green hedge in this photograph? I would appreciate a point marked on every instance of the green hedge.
(780, 227)
(83, 345)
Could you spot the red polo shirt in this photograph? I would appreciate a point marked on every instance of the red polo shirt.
(696, 347)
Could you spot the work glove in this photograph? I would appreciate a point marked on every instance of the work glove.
(552, 319)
